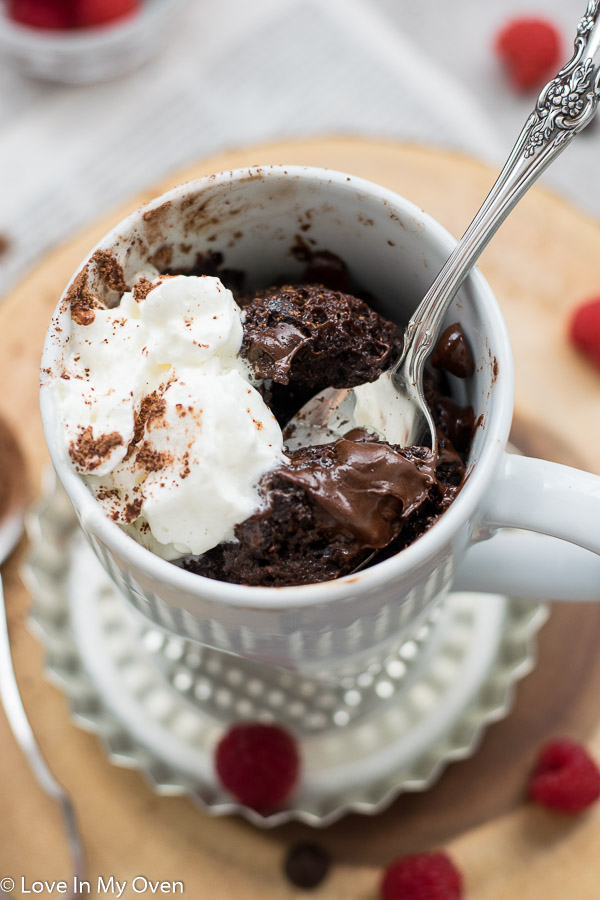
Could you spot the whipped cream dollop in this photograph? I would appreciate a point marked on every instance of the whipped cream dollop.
(162, 417)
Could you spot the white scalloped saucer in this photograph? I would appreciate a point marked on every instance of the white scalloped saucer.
(159, 703)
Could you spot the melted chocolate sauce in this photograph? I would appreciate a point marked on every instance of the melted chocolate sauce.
(364, 486)
(453, 353)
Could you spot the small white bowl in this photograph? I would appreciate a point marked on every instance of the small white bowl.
(91, 54)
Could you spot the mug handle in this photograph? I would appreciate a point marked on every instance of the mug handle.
(556, 501)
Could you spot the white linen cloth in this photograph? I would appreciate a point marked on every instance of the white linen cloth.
(236, 73)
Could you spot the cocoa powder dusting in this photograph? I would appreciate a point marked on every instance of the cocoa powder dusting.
(107, 494)
(151, 413)
(162, 258)
(82, 302)
(152, 216)
(87, 452)
(142, 288)
(155, 412)
(150, 459)
(186, 465)
(110, 271)
(155, 221)
(132, 510)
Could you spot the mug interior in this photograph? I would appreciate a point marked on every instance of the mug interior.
(265, 222)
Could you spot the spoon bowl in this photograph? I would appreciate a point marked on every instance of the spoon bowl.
(388, 407)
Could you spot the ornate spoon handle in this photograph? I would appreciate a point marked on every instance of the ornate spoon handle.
(565, 106)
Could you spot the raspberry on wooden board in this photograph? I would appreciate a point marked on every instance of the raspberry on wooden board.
(565, 777)
(422, 876)
(259, 764)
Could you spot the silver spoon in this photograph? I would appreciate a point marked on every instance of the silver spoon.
(12, 515)
(394, 405)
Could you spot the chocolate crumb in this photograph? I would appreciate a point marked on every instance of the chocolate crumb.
(307, 865)
(110, 271)
(88, 452)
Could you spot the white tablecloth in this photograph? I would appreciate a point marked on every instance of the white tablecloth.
(237, 73)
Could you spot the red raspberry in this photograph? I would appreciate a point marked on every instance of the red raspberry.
(49, 14)
(258, 764)
(565, 777)
(89, 13)
(424, 876)
(584, 330)
(531, 50)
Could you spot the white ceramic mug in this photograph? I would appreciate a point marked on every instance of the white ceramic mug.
(254, 217)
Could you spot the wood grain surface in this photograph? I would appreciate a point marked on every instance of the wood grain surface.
(544, 261)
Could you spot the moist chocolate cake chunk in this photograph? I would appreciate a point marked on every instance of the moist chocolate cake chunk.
(303, 338)
(310, 337)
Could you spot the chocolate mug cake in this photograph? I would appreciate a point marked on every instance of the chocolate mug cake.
(174, 399)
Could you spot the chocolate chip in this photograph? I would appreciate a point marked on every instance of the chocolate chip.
(453, 353)
(307, 865)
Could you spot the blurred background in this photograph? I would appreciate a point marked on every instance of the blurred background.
(228, 73)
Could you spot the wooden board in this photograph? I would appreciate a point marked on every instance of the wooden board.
(544, 261)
